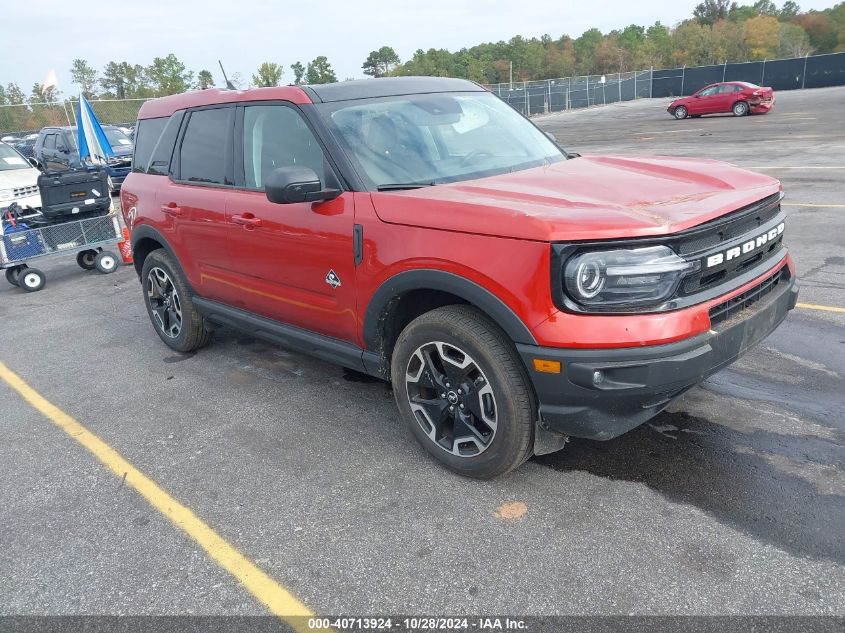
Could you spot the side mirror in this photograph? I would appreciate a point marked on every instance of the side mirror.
(288, 185)
(33, 162)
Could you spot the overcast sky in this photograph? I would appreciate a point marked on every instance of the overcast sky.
(38, 36)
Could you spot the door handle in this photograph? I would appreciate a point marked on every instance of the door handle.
(247, 219)
(171, 209)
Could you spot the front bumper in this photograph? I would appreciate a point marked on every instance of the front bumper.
(635, 384)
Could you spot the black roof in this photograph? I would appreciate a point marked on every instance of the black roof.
(388, 87)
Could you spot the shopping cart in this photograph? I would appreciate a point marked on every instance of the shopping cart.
(28, 239)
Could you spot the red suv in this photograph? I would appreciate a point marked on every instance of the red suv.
(422, 231)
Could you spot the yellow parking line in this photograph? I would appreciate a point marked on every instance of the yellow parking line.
(276, 598)
(815, 306)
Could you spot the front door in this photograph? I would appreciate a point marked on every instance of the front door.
(705, 101)
(294, 263)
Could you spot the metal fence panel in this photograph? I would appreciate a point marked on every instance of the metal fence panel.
(699, 76)
(825, 70)
(783, 74)
(751, 72)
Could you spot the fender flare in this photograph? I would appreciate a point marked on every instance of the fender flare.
(431, 279)
(145, 231)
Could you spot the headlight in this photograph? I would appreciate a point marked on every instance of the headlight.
(625, 277)
(6, 194)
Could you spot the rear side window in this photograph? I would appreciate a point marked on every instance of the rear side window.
(149, 131)
(163, 150)
(205, 146)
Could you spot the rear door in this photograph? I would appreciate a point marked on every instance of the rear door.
(724, 98)
(193, 200)
(293, 262)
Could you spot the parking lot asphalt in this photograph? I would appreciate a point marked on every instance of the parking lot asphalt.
(731, 502)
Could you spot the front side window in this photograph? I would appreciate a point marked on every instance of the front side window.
(708, 91)
(436, 138)
(50, 141)
(202, 157)
(277, 136)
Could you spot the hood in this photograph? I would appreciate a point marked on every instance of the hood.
(10, 178)
(591, 197)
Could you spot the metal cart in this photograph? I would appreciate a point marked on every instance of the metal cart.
(87, 238)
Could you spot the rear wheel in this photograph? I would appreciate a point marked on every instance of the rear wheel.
(32, 279)
(85, 259)
(13, 274)
(680, 112)
(463, 392)
(169, 304)
(740, 108)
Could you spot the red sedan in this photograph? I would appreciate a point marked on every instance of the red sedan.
(739, 97)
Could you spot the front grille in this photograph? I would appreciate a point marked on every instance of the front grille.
(728, 233)
(725, 310)
(24, 192)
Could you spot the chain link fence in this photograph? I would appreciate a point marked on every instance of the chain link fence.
(28, 118)
(556, 95)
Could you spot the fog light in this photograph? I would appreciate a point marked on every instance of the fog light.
(598, 377)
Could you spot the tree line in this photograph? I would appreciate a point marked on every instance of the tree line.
(718, 31)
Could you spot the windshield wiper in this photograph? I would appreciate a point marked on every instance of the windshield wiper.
(400, 186)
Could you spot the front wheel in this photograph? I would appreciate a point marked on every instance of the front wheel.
(105, 262)
(32, 279)
(740, 108)
(680, 112)
(463, 392)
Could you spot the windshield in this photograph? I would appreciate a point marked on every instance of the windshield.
(435, 138)
(11, 159)
(116, 138)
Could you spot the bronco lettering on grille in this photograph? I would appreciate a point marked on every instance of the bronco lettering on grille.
(745, 248)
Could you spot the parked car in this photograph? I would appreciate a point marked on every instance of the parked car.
(738, 97)
(422, 231)
(18, 179)
(26, 145)
(56, 149)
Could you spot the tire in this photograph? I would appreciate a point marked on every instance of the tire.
(105, 262)
(32, 279)
(493, 407)
(680, 112)
(740, 108)
(162, 279)
(85, 259)
(13, 274)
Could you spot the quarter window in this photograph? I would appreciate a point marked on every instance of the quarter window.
(277, 136)
(202, 157)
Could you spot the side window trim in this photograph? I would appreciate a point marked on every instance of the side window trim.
(176, 160)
